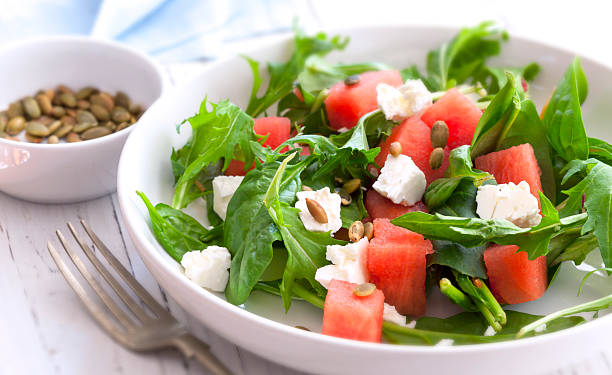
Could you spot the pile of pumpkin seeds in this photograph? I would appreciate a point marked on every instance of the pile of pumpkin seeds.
(63, 114)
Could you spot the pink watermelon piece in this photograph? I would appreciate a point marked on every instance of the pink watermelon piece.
(513, 277)
(346, 104)
(352, 317)
(380, 207)
(514, 164)
(396, 264)
(414, 136)
(460, 115)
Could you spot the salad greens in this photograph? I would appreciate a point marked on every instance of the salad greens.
(271, 249)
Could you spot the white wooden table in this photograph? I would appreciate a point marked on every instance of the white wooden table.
(43, 326)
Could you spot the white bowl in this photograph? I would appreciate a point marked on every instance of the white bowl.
(261, 326)
(70, 172)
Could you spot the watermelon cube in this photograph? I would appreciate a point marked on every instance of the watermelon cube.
(460, 115)
(346, 104)
(414, 136)
(512, 276)
(379, 207)
(396, 264)
(514, 164)
(276, 128)
(352, 317)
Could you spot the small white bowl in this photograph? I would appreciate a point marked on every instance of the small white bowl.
(70, 172)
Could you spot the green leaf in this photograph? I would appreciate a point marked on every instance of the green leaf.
(354, 211)
(600, 150)
(563, 116)
(466, 260)
(494, 78)
(306, 249)
(375, 125)
(596, 187)
(282, 75)
(468, 328)
(216, 134)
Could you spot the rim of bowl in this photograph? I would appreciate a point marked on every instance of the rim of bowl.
(169, 269)
(105, 43)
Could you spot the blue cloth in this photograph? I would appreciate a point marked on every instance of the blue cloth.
(172, 30)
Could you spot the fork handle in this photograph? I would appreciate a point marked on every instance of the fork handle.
(191, 347)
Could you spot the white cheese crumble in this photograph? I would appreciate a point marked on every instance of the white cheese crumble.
(402, 102)
(208, 268)
(540, 328)
(445, 342)
(401, 180)
(514, 203)
(343, 130)
(390, 314)
(330, 202)
(347, 264)
(490, 331)
(224, 188)
(412, 324)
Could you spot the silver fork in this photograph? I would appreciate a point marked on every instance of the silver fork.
(144, 333)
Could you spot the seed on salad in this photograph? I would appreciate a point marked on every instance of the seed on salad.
(50, 93)
(120, 115)
(58, 111)
(356, 231)
(80, 128)
(45, 104)
(351, 185)
(68, 120)
(352, 80)
(436, 158)
(68, 99)
(364, 290)
(345, 197)
(15, 109)
(368, 230)
(15, 125)
(54, 126)
(31, 108)
(73, 137)
(85, 92)
(36, 129)
(52, 140)
(316, 210)
(121, 99)
(122, 126)
(339, 180)
(103, 99)
(395, 149)
(100, 112)
(110, 126)
(83, 104)
(439, 134)
(306, 188)
(135, 109)
(86, 117)
(95, 132)
(63, 131)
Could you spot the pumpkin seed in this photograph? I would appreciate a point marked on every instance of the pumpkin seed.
(33, 139)
(86, 117)
(110, 126)
(368, 230)
(49, 94)
(68, 99)
(352, 80)
(85, 92)
(31, 108)
(345, 197)
(15, 109)
(395, 149)
(103, 99)
(120, 115)
(80, 128)
(65, 89)
(54, 126)
(83, 104)
(439, 134)
(45, 120)
(15, 125)
(436, 158)
(121, 99)
(96, 132)
(52, 140)
(351, 185)
(316, 210)
(65, 129)
(135, 109)
(45, 104)
(36, 129)
(122, 126)
(356, 231)
(58, 111)
(364, 290)
(68, 120)
(306, 188)
(73, 137)
(100, 112)
(71, 112)
(3, 120)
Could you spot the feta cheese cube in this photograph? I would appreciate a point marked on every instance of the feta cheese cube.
(402, 102)
(401, 180)
(514, 203)
(490, 331)
(390, 314)
(347, 264)
(208, 268)
(224, 188)
(330, 202)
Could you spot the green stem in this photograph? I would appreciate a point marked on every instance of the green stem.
(578, 249)
(488, 315)
(303, 293)
(596, 305)
(456, 295)
(490, 301)
(319, 100)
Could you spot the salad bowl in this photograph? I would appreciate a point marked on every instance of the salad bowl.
(260, 325)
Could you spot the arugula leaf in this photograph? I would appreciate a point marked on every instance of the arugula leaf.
(596, 187)
(468, 328)
(462, 202)
(282, 75)
(600, 150)
(459, 169)
(176, 231)
(217, 134)
(466, 260)
(375, 125)
(306, 249)
(563, 116)
(576, 251)
(354, 211)
(494, 78)
(249, 231)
